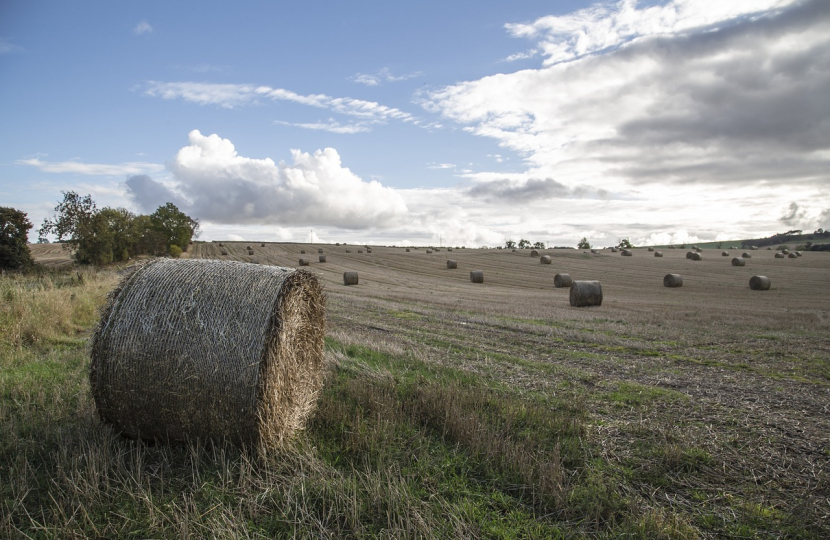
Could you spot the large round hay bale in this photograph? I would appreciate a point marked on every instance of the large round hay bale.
(672, 280)
(658, 253)
(746, 255)
(738, 261)
(779, 255)
(724, 254)
(190, 349)
(451, 264)
(689, 254)
(785, 251)
(562, 280)
(545, 259)
(696, 256)
(586, 293)
(349, 278)
(304, 262)
(651, 249)
(627, 253)
(792, 256)
(321, 258)
(477, 276)
(534, 253)
(759, 283)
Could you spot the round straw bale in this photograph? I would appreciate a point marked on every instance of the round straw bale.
(724, 253)
(697, 256)
(194, 348)
(769, 248)
(302, 252)
(349, 278)
(672, 280)
(450, 249)
(407, 250)
(451, 264)
(534, 253)
(627, 253)
(562, 280)
(658, 253)
(792, 256)
(321, 258)
(779, 255)
(738, 261)
(689, 254)
(304, 262)
(754, 248)
(746, 255)
(586, 293)
(348, 251)
(515, 250)
(545, 259)
(262, 245)
(221, 244)
(651, 249)
(429, 251)
(360, 251)
(759, 283)
(319, 250)
(672, 247)
(224, 252)
(595, 251)
(694, 247)
(613, 250)
(785, 251)
(798, 254)
(368, 250)
(248, 248)
(477, 276)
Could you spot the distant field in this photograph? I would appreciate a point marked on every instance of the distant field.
(455, 409)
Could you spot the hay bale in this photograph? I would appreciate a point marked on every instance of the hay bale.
(224, 253)
(595, 251)
(785, 251)
(515, 250)
(451, 264)
(319, 250)
(407, 250)
(672, 280)
(689, 254)
(613, 250)
(450, 249)
(798, 254)
(792, 256)
(754, 248)
(368, 250)
(221, 244)
(658, 253)
(304, 262)
(694, 248)
(477, 276)
(348, 251)
(562, 280)
(759, 283)
(429, 251)
(360, 251)
(779, 255)
(746, 255)
(194, 348)
(545, 259)
(651, 249)
(738, 261)
(321, 258)
(534, 253)
(697, 256)
(586, 293)
(302, 252)
(627, 253)
(769, 248)
(262, 245)
(724, 253)
(349, 278)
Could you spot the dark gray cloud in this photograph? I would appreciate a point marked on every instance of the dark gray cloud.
(793, 215)
(149, 194)
(524, 191)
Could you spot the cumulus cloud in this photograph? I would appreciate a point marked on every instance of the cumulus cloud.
(383, 75)
(149, 194)
(93, 169)
(523, 190)
(217, 184)
(143, 27)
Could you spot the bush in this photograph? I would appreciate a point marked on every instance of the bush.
(14, 235)
(175, 251)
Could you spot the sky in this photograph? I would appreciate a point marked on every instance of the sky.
(425, 123)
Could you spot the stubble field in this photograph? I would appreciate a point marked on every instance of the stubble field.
(455, 409)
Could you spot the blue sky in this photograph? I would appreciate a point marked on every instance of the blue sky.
(399, 123)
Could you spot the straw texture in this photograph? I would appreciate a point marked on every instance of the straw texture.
(451, 264)
(210, 349)
(350, 278)
(759, 283)
(673, 280)
(562, 280)
(477, 276)
(586, 293)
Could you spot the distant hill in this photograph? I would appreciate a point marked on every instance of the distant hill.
(816, 241)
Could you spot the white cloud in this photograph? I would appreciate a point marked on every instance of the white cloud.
(143, 27)
(331, 126)
(441, 166)
(383, 75)
(522, 55)
(237, 95)
(93, 169)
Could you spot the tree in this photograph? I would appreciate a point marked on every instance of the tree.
(77, 224)
(510, 244)
(523, 244)
(176, 227)
(14, 235)
(539, 245)
(625, 244)
(583, 244)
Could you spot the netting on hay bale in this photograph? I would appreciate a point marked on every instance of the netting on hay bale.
(210, 349)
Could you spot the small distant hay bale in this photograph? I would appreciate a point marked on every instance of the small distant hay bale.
(349, 278)
(321, 258)
(792, 256)
(302, 252)
(225, 252)
(450, 249)
(754, 248)
(672, 280)
(658, 253)
(696, 256)
(785, 251)
(672, 247)
(368, 250)
(694, 247)
(451, 264)
(586, 293)
(477, 276)
(304, 262)
(689, 254)
(779, 255)
(759, 283)
(429, 251)
(515, 250)
(699, 250)
(651, 249)
(262, 245)
(738, 261)
(746, 255)
(407, 250)
(189, 349)
(545, 259)
(221, 244)
(248, 248)
(360, 251)
(348, 251)
(724, 253)
(561, 281)
(534, 253)
(769, 248)
(319, 250)
(627, 253)
(613, 250)
(798, 254)
(595, 251)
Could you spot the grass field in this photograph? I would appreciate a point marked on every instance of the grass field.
(461, 410)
